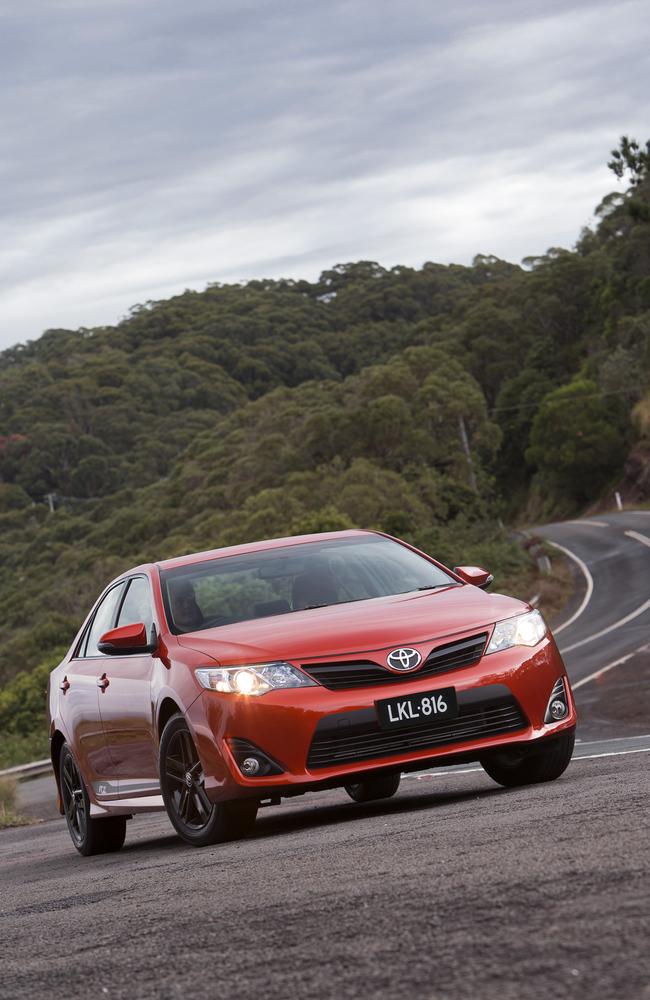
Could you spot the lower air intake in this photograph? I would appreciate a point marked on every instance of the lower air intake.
(345, 739)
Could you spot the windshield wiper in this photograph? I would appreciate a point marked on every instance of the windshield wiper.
(332, 604)
(436, 586)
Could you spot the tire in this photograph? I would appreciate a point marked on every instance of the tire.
(197, 821)
(374, 788)
(89, 835)
(513, 768)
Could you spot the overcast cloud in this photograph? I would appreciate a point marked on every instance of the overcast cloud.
(151, 146)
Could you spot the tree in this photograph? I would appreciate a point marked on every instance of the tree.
(577, 442)
(630, 157)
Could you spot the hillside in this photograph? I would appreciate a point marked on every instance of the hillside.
(276, 407)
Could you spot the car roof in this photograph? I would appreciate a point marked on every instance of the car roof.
(268, 543)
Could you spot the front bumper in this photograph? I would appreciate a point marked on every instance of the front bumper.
(321, 738)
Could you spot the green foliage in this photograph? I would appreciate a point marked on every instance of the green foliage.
(630, 158)
(16, 748)
(12, 497)
(23, 706)
(577, 440)
(23, 699)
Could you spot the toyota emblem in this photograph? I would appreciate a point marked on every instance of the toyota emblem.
(404, 658)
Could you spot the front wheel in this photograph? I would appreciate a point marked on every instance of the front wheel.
(88, 834)
(197, 820)
(374, 788)
(513, 768)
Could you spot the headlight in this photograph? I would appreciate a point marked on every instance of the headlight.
(252, 679)
(524, 630)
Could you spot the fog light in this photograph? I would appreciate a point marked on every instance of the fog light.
(251, 760)
(557, 709)
(250, 766)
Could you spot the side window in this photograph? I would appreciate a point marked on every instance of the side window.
(104, 620)
(136, 606)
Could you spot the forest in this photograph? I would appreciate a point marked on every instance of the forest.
(443, 404)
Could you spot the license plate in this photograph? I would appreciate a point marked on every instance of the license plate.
(415, 709)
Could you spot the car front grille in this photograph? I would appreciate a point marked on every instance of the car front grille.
(347, 738)
(340, 675)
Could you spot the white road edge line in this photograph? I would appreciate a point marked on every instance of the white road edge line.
(442, 774)
(610, 628)
(611, 739)
(639, 538)
(590, 586)
(592, 524)
(476, 770)
(611, 753)
(609, 666)
(434, 774)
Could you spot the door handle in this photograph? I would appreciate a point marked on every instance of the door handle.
(103, 682)
(64, 685)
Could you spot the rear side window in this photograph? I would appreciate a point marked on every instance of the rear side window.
(103, 620)
(136, 606)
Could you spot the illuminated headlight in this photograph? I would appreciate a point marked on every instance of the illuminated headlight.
(524, 630)
(252, 679)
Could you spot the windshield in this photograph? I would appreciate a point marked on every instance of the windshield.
(293, 578)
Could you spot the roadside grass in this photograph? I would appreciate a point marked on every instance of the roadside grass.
(549, 592)
(556, 589)
(8, 808)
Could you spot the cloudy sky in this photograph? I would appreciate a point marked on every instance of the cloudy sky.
(151, 145)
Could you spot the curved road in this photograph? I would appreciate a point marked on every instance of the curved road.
(453, 889)
(605, 635)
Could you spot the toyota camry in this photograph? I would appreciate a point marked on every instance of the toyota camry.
(211, 684)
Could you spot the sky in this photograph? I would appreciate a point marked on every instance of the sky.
(150, 146)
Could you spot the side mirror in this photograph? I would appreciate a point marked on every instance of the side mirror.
(128, 639)
(474, 575)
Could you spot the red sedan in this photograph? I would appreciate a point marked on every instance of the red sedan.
(214, 683)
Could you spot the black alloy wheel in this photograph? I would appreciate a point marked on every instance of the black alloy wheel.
(194, 817)
(74, 802)
(373, 789)
(184, 779)
(530, 766)
(90, 835)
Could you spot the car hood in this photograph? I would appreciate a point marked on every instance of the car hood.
(357, 627)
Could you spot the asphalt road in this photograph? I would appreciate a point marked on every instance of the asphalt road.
(615, 551)
(456, 888)
(611, 558)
